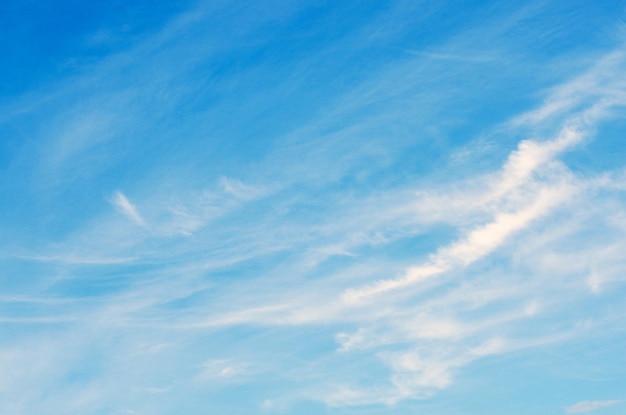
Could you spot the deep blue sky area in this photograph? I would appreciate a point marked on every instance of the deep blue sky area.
(44, 41)
(312, 207)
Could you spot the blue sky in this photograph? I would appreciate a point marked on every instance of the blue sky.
(312, 207)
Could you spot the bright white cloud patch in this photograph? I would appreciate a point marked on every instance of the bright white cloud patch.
(514, 213)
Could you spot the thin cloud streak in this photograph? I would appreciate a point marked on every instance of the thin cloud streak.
(125, 207)
(589, 406)
(476, 245)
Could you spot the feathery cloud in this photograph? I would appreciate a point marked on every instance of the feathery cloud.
(125, 207)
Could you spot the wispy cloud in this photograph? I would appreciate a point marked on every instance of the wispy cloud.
(220, 369)
(478, 243)
(238, 189)
(313, 243)
(125, 207)
(589, 406)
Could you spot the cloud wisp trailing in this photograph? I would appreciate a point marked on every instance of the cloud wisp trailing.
(125, 207)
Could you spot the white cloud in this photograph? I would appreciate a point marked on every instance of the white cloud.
(342, 395)
(125, 207)
(475, 245)
(515, 184)
(529, 156)
(568, 96)
(238, 189)
(220, 369)
(588, 406)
